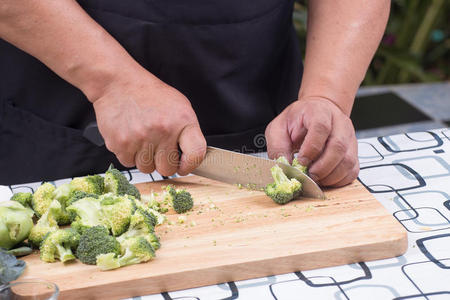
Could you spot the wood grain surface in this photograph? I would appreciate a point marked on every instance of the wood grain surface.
(235, 234)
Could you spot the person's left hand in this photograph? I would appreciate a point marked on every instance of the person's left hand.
(324, 137)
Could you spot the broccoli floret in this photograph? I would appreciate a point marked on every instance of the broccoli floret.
(89, 184)
(153, 203)
(283, 159)
(117, 183)
(63, 193)
(77, 195)
(94, 241)
(117, 211)
(140, 225)
(87, 213)
(59, 244)
(47, 223)
(283, 189)
(23, 198)
(297, 165)
(134, 251)
(153, 239)
(181, 200)
(42, 198)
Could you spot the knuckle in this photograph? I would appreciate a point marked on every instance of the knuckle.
(348, 162)
(339, 146)
(322, 127)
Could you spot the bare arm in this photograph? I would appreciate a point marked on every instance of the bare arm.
(62, 35)
(342, 38)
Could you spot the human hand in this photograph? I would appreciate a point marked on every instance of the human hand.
(143, 121)
(324, 137)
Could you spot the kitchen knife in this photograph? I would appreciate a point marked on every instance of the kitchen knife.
(250, 171)
(234, 167)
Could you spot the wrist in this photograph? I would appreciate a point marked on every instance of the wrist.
(308, 98)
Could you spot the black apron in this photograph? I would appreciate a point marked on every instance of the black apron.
(238, 62)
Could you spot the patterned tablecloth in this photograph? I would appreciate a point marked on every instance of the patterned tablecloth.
(410, 175)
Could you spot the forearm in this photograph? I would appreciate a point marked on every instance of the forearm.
(62, 35)
(341, 41)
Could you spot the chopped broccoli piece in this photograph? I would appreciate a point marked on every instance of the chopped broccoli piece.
(283, 189)
(23, 198)
(134, 251)
(117, 183)
(181, 200)
(42, 198)
(16, 222)
(117, 211)
(77, 195)
(94, 241)
(47, 223)
(297, 165)
(140, 225)
(59, 244)
(283, 159)
(87, 213)
(89, 184)
(63, 193)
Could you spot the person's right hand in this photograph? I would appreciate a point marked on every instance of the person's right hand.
(143, 121)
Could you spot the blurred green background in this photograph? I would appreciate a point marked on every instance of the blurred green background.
(415, 47)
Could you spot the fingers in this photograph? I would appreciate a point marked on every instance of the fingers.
(346, 170)
(278, 140)
(335, 151)
(193, 147)
(145, 159)
(314, 142)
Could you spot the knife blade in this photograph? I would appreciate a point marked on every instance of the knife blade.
(250, 171)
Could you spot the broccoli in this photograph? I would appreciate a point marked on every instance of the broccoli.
(90, 184)
(16, 222)
(86, 213)
(63, 193)
(283, 159)
(117, 211)
(59, 244)
(94, 241)
(117, 183)
(140, 225)
(47, 223)
(181, 200)
(134, 251)
(298, 166)
(283, 189)
(77, 195)
(23, 198)
(42, 198)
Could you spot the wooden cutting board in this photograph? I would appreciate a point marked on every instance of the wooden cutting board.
(234, 234)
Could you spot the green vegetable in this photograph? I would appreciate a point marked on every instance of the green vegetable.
(59, 244)
(77, 195)
(181, 200)
(117, 212)
(141, 226)
(88, 184)
(63, 193)
(283, 159)
(42, 198)
(94, 241)
(10, 267)
(86, 213)
(20, 251)
(23, 198)
(47, 223)
(134, 251)
(283, 189)
(16, 222)
(117, 183)
(297, 165)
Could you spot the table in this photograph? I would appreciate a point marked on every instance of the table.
(410, 175)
